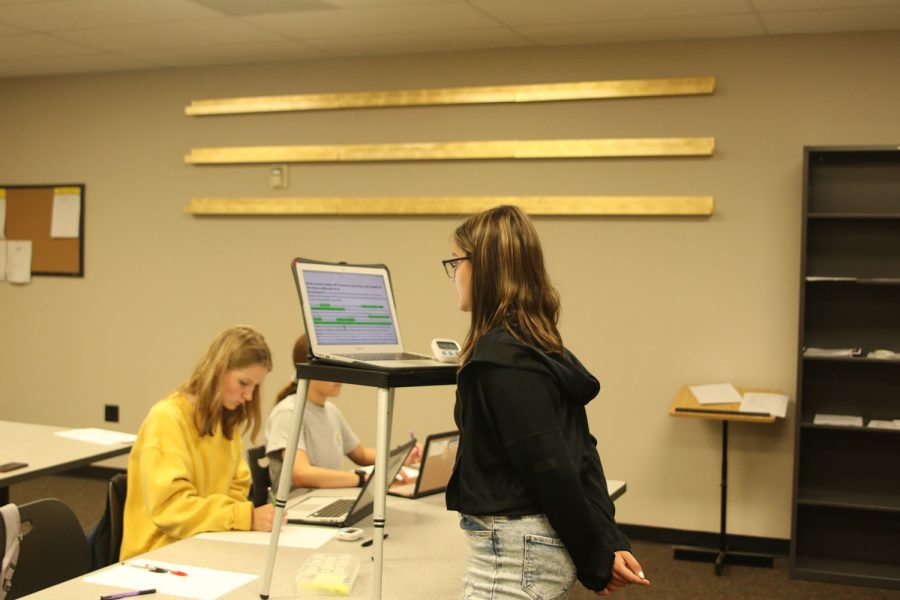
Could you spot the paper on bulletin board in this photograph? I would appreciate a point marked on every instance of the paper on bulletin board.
(66, 219)
(2, 260)
(18, 261)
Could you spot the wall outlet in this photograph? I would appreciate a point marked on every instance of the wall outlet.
(111, 413)
(278, 177)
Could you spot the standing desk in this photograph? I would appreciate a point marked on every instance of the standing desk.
(386, 382)
(686, 405)
(45, 452)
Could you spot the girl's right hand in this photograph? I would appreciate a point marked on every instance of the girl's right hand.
(626, 570)
(263, 517)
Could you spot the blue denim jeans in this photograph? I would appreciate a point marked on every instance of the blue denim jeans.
(515, 557)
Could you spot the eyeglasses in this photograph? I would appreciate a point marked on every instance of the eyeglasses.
(451, 264)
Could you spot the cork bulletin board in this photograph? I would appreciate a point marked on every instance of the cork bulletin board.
(29, 216)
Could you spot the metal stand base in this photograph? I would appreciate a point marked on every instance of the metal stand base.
(722, 557)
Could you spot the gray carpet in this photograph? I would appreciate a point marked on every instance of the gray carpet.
(671, 579)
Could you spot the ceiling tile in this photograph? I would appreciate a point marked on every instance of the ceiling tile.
(2, 2)
(373, 3)
(446, 41)
(64, 15)
(375, 21)
(261, 7)
(792, 5)
(6, 30)
(519, 12)
(644, 30)
(235, 54)
(35, 45)
(59, 65)
(829, 21)
(183, 34)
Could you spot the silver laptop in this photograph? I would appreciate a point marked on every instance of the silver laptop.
(438, 460)
(350, 316)
(345, 511)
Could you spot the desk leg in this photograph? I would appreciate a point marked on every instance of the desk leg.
(382, 450)
(722, 555)
(284, 484)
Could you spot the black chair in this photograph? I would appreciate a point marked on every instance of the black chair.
(105, 539)
(115, 495)
(54, 548)
(259, 476)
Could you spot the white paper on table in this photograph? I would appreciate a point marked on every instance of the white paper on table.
(882, 424)
(845, 420)
(66, 218)
(2, 260)
(897, 423)
(94, 435)
(18, 261)
(715, 393)
(200, 583)
(2, 214)
(291, 536)
(774, 404)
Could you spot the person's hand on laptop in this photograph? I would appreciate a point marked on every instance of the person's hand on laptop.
(415, 455)
(402, 479)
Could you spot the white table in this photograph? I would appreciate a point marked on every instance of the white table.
(385, 382)
(425, 557)
(45, 452)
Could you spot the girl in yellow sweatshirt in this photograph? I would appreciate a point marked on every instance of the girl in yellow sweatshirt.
(186, 471)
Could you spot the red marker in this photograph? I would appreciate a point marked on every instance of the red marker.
(157, 569)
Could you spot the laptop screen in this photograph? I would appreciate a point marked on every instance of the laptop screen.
(349, 308)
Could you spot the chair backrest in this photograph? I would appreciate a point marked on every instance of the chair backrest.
(259, 476)
(9, 546)
(53, 549)
(115, 496)
(105, 539)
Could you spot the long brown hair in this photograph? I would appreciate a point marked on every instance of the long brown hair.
(510, 286)
(300, 349)
(235, 348)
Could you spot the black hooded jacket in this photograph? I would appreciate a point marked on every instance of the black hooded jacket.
(525, 448)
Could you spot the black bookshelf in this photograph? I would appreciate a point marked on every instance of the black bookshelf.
(846, 500)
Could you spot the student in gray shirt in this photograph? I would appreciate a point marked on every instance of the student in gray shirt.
(325, 436)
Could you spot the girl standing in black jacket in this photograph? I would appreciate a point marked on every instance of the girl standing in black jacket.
(528, 482)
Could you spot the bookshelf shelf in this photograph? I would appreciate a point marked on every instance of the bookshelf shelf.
(846, 509)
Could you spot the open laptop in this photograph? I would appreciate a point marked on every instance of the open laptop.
(438, 460)
(336, 511)
(350, 316)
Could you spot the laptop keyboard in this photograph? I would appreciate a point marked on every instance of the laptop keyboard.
(370, 356)
(335, 509)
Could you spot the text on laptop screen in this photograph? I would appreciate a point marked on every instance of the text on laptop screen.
(349, 308)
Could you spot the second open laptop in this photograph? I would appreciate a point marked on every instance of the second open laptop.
(350, 316)
(344, 511)
(438, 460)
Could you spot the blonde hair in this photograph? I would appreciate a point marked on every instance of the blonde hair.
(235, 348)
(510, 286)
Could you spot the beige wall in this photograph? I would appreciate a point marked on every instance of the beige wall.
(649, 304)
